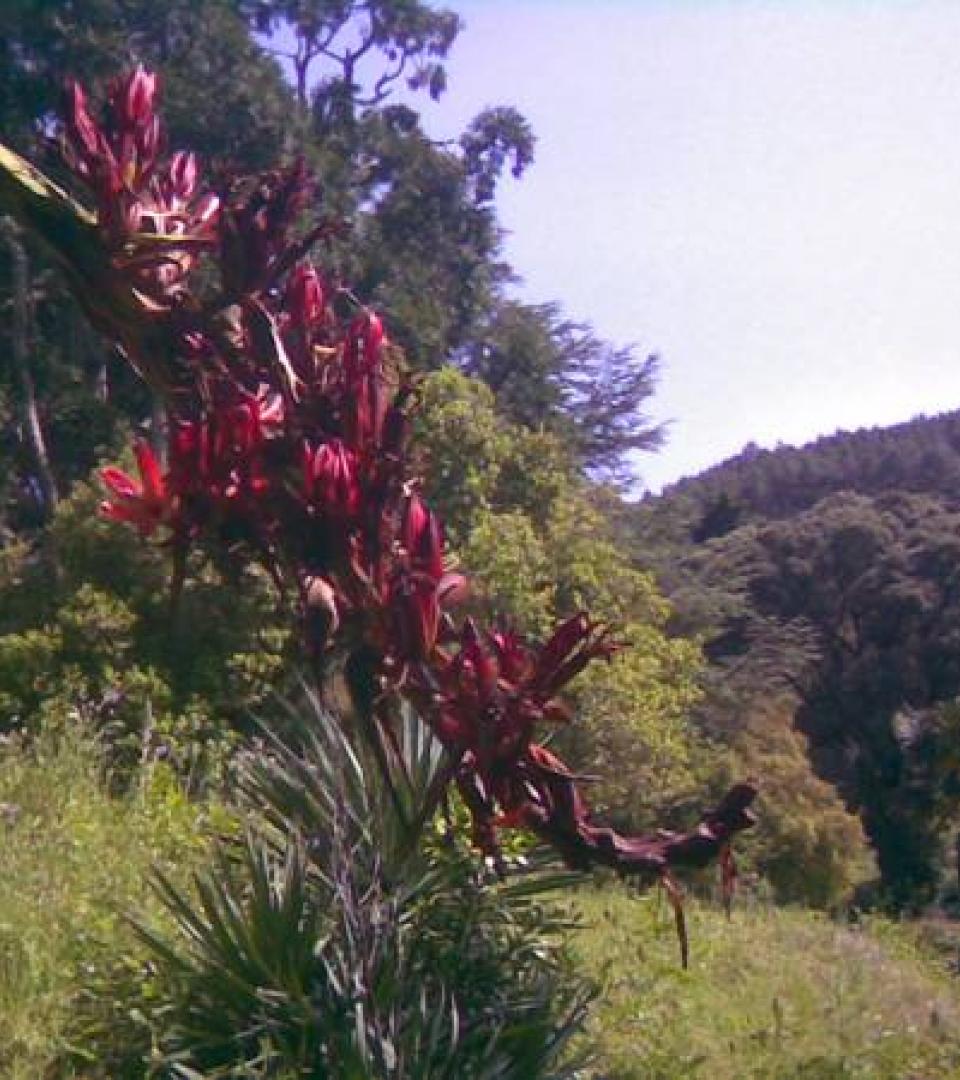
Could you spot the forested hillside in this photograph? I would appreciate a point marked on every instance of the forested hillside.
(828, 576)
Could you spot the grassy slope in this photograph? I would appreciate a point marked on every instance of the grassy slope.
(71, 858)
(770, 995)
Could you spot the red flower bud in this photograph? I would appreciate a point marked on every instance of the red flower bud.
(134, 97)
(82, 132)
(333, 480)
(305, 300)
(421, 537)
(183, 175)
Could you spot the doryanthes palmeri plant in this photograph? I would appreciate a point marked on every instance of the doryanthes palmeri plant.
(288, 417)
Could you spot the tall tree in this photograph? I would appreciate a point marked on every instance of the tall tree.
(549, 371)
(349, 55)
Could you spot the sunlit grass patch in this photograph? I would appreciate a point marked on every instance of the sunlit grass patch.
(72, 861)
(773, 994)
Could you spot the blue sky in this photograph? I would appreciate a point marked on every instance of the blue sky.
(766, 194)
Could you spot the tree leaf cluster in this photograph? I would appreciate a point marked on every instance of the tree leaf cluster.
(87, 631)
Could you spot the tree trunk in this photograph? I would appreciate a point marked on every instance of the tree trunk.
(21, 349)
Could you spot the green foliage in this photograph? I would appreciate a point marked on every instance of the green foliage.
(507, 554)
(463, 448)
(87, 630)
(809, 847)
(474, 460)
(772, 994)
(633, 732)
(338, 939)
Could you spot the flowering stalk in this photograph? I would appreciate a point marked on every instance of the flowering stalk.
(289, 420)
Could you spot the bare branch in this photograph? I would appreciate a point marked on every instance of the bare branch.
(380, 92)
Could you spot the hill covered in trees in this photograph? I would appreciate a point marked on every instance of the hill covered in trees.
(827, 578)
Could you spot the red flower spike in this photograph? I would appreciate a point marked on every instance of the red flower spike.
(284, 373)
